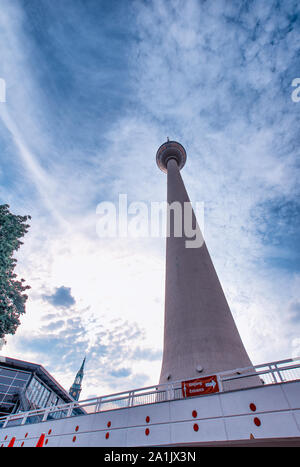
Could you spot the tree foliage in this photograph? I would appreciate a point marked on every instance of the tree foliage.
(12, 296)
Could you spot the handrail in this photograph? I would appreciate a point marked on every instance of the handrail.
(171, 391)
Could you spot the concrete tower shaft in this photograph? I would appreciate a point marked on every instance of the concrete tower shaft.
(200, 335)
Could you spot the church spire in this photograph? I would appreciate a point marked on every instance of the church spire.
(75, 389)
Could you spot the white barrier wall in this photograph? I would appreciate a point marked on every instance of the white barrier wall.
(260, 413)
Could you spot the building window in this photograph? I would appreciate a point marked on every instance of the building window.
(11, 383)
(37, 393)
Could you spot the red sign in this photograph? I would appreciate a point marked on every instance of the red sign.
(200, 386)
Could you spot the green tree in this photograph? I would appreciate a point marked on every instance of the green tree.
(12, 296)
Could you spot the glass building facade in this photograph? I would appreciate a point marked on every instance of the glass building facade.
(37, 393)
(27, 386)
(12, 382)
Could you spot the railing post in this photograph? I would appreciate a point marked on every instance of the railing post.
(24, 418)
(171, 391)
(98, 405)
(70, 410)
(272, 373)
(220, 383)
(278, 373)
(130, 398)
(6, 422)
(46, 413)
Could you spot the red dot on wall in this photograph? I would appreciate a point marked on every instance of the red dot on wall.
(49, 432)
(196, 427)
(22, 444)
(147, 431)
(252, 407)
(107, 435)
(46, 442)
(194, 413)
(77, 428)
(5, 438)
(147, 419)
(74, 438)
(257, 421)
(26, 434)
(108, 424)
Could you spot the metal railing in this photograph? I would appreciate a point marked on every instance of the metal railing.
(266, 374)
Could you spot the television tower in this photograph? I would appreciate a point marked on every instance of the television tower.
(200, 335)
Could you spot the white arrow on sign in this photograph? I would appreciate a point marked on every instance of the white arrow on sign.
(211, 383)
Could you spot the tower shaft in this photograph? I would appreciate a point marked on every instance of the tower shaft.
(200, 335)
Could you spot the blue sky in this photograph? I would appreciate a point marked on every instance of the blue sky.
(93, 88)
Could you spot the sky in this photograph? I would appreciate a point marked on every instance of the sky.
(93, 88)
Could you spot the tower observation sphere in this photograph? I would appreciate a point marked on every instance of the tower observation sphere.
(170, 150)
